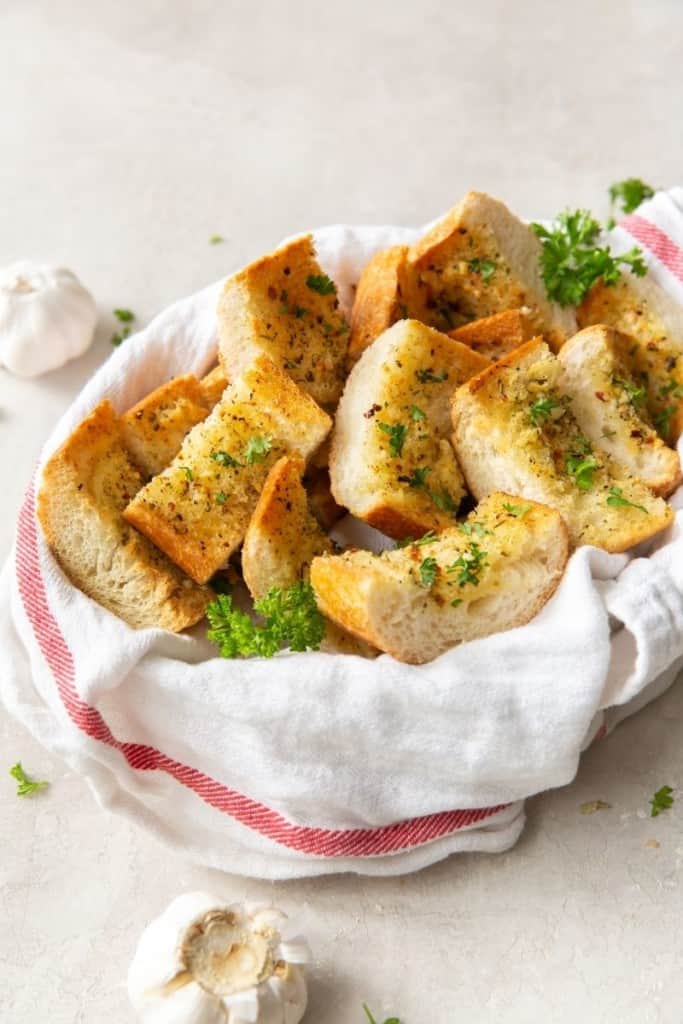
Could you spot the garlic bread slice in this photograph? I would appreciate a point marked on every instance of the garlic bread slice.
(213, 384)
(514, 429)
(83, 490)
(609, 405)
(285, 307)
(391, 462)
(490, 573)
(379, 300)
(480, 260)
(153, 430)
(641, 309)
(198, 509)
(495, 336)
(283, 536)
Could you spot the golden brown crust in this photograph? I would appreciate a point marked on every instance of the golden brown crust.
(198, 509)
(84, 487)
(284, 306)
(154, 428)
(212, 386)
(495, 336)
(378, 300)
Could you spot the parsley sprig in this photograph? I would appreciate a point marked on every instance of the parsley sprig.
(291, 619)
(629, 194)
(617, 500)
(429, 570)
(571, 261)
(26, 786)
(660, 801)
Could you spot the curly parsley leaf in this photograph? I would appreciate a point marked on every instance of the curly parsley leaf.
(321, 283)
(291, 619)
(257, 448)
(571, 261)
(617, 500)
(469, 565)
(542, 408)
(660, 801)
(26, 786)
(429, 570)
(485, 268)
(630, 193)
(397, 436)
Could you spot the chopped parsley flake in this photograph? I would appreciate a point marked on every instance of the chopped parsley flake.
(617, 500)
(321, 283)
(443, 501)
(581, 464)
(126, 317)
(662, 420)
(257, 448)
(221, 498)
(371, 1019)
(419, 477)
(417, 413)
(473, 528)
(542, 408)
(428, 571)
(519, 511)
(397, 436)
(636, 392)
(25, 786)
(429, 377)
(224, 459)
(216, 240)
(188, 472)
(485, 268)
(571, 261)
(660, 801)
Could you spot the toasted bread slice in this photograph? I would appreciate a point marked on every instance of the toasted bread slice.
(391, 463)
(495, 336)
(320, 498)
(379, 301)
(213, 384)
(641, 309)
(514, 428)
(198, 509)
(282, 540)
(283, 536)
(84, 487)
(609, 406)
(283, 305)
(480, 260)
(153, 430)
(493, 572)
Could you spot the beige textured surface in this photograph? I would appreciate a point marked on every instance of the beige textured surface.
(131, 132)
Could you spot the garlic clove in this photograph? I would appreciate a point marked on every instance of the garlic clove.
(234, 954)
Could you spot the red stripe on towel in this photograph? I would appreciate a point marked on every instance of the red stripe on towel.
(319, 842)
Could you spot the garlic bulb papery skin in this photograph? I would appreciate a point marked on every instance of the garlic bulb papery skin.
(47, 318)
(205, 962)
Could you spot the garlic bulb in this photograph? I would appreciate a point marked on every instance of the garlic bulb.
(47, 318)
(202, 962)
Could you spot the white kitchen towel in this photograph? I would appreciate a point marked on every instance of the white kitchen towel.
(314, 763)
